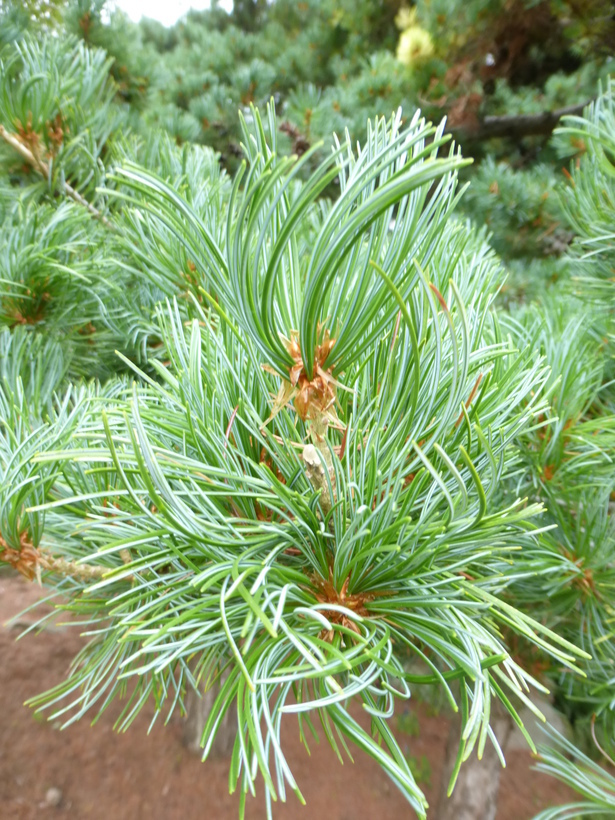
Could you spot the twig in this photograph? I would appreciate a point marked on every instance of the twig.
(71, 569)
(518, 125)
(316, 473)
(598, 746)
(43, 169)
(29, 561)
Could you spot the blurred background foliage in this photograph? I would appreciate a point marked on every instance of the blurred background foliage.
(331, 64)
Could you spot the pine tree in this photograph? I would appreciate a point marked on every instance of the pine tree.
(306, 494)
(326, 467)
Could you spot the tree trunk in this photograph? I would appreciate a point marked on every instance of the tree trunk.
(475, 796)
(198, 709)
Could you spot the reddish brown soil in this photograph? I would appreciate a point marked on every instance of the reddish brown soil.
(105, 776)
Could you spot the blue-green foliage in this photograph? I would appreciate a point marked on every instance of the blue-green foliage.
(457, 397)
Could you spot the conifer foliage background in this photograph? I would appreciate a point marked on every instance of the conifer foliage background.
(285, 420)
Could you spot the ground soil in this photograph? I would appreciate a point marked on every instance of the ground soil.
(95, 774)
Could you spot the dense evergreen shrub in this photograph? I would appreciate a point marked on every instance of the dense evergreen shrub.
(294, 430)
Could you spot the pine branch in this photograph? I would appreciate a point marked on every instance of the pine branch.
(516, 126)
(60, 566)
(29, 561)
(39, 165)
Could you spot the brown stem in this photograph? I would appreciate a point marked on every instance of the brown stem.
(516, 126)
(43, 169)
(607, 757)
(29, 561)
